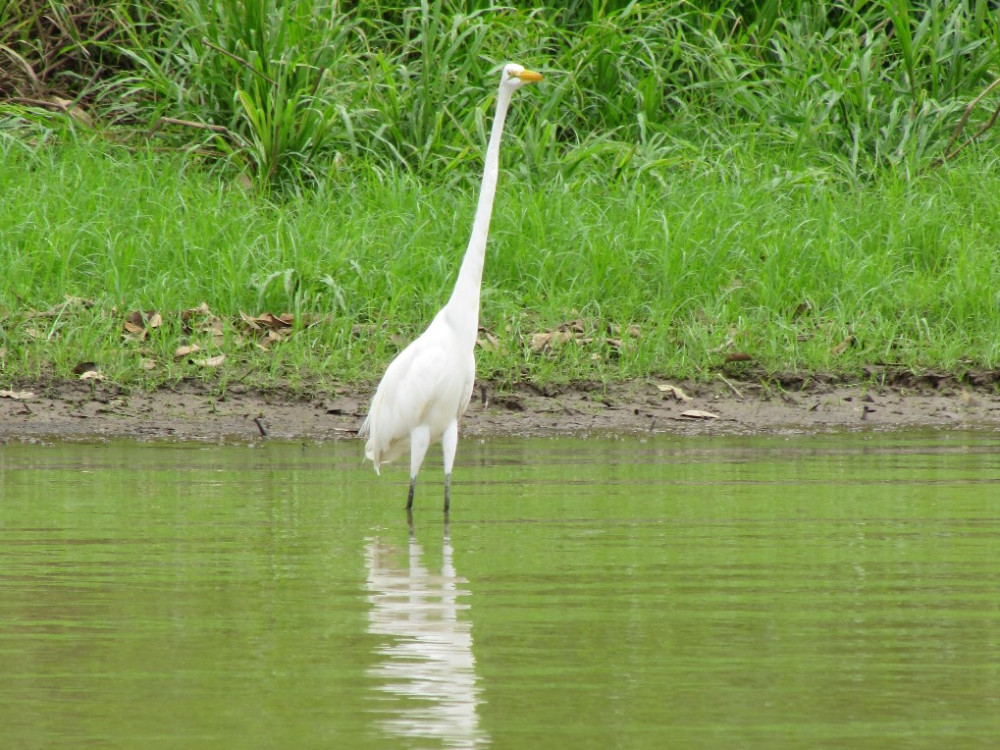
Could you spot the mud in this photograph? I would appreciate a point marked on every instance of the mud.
(79, 410)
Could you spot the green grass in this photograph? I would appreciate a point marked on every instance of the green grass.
(773, 179)
(703, 261)
(290, 92)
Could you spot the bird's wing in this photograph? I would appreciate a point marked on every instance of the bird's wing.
(413, 383)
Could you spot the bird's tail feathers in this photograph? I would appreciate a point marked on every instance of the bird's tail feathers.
(370, 452)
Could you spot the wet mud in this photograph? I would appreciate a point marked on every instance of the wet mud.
(194, 411)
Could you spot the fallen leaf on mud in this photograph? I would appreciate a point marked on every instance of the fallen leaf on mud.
(270, 328)
(399, 340)
(83, 367)
(583, 333)
(140, 319)
(92, 375)
(147, 364)
(211, 325)
(549, 339)
(17, 395)
(138, 323)
(968, 399)
(563, 333)
(211, 361)
(195, 312)
(616, 330)
(843, 346)
(674, 391)
(183, 351)
(269, 339)
(488, 340)
(738, 357)
(268, 320)
(699, 414)
(73, 110)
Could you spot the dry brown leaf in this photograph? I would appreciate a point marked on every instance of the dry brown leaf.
(147, 364)
(488, 340)
(137, 324)
(843, 346)
(674, 391)
(195, 312)
(698, 414)
(616, 330)
(212, 325)
(572, 330)
(738, 357)
(92, 375)
(249, 322)
(540, 340)
(73, 110)
(398, 340)
(17, 395)
(211, 361)
(550, 339)
(183, 351)
(276, 322)
(215, 327)
(137, 318)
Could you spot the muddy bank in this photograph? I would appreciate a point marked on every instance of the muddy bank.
(190, 411)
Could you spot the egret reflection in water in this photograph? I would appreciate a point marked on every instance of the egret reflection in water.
(426, 671)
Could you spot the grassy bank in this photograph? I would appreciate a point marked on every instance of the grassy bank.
(766, 188)
(668, 275)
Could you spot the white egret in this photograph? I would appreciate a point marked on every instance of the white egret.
(427, 387)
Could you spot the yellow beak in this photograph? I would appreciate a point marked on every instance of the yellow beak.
(530, 76)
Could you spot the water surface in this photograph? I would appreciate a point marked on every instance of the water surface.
(795, 591)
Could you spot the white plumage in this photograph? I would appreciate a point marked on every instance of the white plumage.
(427, 387)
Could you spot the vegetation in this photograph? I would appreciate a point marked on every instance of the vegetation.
(792, 187)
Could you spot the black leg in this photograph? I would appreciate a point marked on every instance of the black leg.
(409, 521)
(447, 492)
(409, 498)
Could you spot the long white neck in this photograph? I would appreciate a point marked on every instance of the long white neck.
(462, 309)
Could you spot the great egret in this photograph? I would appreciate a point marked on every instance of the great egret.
(427, 387)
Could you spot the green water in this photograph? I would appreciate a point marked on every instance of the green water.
(787, 592)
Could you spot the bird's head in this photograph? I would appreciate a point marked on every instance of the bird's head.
(514, 76)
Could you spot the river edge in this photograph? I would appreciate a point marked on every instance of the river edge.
(193, 410)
